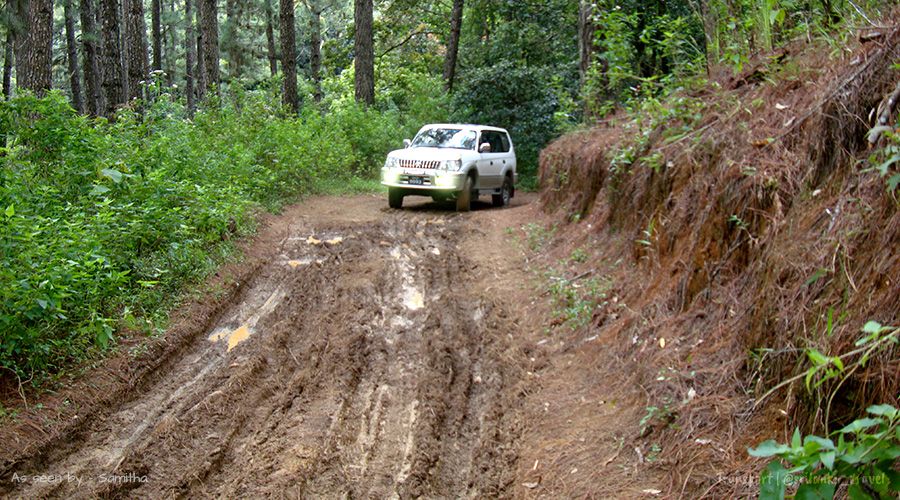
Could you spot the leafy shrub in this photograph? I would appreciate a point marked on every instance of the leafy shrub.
(406, 100)
(863, 457)
(866, 450)
(101, 222)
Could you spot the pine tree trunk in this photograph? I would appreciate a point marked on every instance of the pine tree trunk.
(190, 51)
(289, 55)
(585, 38)
(72, 57)
(136, 43)
(364, 62)
(199, 71)
(8, 65)
(315, 52)
(270, 39)
(113, 61)
(34, 46)
(586, 29)
(240, 61)
(641, 51)
(231, 45)
(229, 35)
(170, 41)
(90, 43)
(156, 27)
(209, 36)
(453, 44)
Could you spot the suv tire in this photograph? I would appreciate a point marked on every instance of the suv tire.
(464, 198)
(506, 192)
(395, 198)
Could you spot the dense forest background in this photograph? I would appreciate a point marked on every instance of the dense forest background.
(535, 67)
(141, 136)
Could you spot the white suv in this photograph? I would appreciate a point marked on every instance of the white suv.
(453, 162)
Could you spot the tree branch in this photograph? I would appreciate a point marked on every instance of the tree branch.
(884, 114)
(405, 41)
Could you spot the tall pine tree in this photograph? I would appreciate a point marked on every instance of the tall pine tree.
(364, 47)
(289, 56)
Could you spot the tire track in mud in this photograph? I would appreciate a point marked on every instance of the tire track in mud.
(356, 364)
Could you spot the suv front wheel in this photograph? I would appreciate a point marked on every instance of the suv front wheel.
(464, 198)
(395, 198)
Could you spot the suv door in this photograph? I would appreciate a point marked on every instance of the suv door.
(508, 162)
(491, 165)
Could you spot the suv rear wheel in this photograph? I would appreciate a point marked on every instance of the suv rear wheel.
(464, 198)
(395, 198)
(502, 199)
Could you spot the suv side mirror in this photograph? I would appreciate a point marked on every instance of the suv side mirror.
(485, 147)
(406, 143)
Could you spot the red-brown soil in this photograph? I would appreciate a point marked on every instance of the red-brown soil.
(731, 245)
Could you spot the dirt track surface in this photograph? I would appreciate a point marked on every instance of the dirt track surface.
(370, 356)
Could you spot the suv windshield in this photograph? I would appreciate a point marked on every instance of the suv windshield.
(453, 138)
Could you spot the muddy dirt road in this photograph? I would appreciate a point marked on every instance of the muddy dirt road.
(369, 356)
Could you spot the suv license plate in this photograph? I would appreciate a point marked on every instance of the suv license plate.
(416, 181)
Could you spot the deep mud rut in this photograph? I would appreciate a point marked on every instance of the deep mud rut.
(359, 362)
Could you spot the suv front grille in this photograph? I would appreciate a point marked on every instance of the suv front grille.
(430, 164)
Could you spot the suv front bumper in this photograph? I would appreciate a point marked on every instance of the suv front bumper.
(431, 180)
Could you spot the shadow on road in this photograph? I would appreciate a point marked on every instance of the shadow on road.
(427, 205)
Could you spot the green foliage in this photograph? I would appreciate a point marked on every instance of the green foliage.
(648, 234)
(862, 456)
(579, 255)
(642, 47)
(7, 414)
(406, 100)
(886, 160)
(514, 97)
(864, 452)
(616, 52)
(825, 368)
(738, 222)
(537, 236)
(517, 32)
(419, 97)
(656, 414)
(576, 298)
(668, 118)
(105, 222)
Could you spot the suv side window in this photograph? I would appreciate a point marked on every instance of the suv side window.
(499, 143)
(505, 140)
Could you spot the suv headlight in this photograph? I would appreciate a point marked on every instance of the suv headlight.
(391, 162)
(452, 165)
